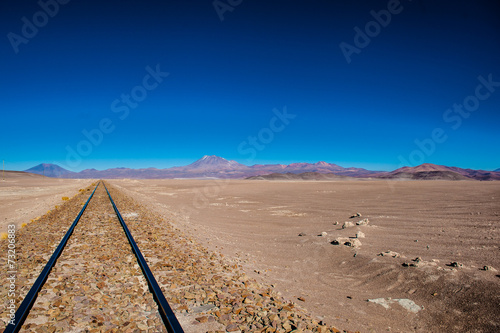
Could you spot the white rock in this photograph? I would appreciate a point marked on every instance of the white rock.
(360, 234)
(363, 222)
(382, 301)
(353, 243)
(406, 303)
(347, 224)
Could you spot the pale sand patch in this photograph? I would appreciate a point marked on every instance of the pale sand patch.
(286, 213)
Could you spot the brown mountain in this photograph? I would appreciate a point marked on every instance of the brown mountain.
(425, 175)
(323, 167)
(433, 171)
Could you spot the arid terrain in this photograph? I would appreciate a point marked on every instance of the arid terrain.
(26, 196)
(284, 233)
(257, 224)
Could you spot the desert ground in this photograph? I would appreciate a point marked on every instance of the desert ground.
(26, 196)
(257, 225)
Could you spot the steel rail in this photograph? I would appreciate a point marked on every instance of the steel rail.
(22, 312)
(169, 319)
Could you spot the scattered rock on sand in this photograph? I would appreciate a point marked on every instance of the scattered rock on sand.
(302, 234)
(489, 268)
(456, 264)
(347, 224)
(360, 234)
(356, 215)
(417, 262)
(363, 222)
(335, 242)
(323, 234)
(336, 223)
(389, 254)
(353, 243)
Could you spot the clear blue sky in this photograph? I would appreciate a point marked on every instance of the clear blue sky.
(73, 73)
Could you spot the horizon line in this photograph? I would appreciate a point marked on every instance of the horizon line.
(278, 163)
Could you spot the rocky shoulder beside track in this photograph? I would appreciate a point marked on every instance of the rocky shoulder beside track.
(34, 243)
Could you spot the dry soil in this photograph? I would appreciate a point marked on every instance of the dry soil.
(257, 224)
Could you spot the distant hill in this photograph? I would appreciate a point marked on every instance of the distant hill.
(433, 171)
(324, 167)
(477, 174)
(298, 176)
(497, 170)
(50, 170)
(425, 175)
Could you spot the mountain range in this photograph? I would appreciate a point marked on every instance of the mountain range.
(218, 167)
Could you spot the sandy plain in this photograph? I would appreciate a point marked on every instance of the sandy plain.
(257, 225)
(24, 196)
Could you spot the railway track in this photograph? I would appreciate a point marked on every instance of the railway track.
(96, 276)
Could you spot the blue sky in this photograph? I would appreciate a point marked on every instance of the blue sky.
(270, 83)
